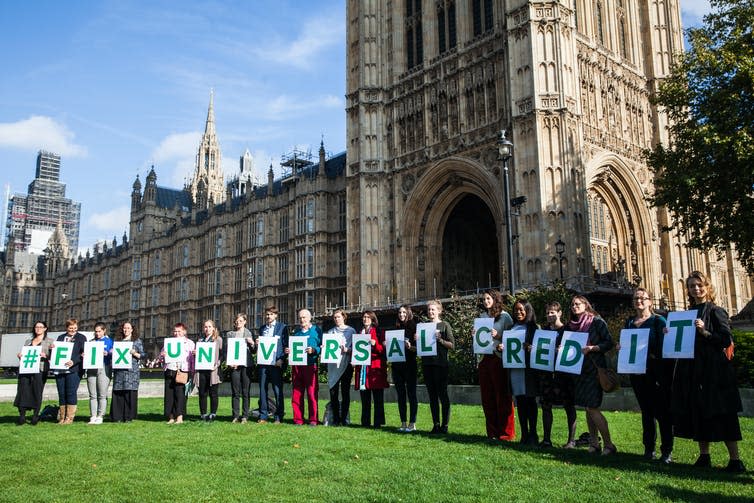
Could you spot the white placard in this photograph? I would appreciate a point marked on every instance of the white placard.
(426, 339)
(634, 346)
(514, 353)
(122, 358)
(297, 350)
(679, 341)
(331, 348)
(31, 359)
(174, 349)
(361, 354)
(268, 347)
(237, 353)
(205, 356)
(484, 344)
(94, 355)
(543, 350)
(570, 358)
(61, 353)
(395, 345)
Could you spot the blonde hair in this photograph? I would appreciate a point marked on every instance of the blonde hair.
(214, 329)
(437, 303)
(704, 280)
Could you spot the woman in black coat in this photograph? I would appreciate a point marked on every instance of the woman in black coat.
(705, 401)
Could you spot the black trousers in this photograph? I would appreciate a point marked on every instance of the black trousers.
(123, 406)
(175, 396)
(436, 380)
(379, 407)
(207, 389)
(240, 386)
(654, 402)
(404, 378)
(342, 389)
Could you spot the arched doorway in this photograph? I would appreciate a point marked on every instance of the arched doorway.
(469, 247)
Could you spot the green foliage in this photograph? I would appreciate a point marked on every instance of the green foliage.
(743, 360)
(542, 295)
(460, 314)
(147, 460)
(705, 177)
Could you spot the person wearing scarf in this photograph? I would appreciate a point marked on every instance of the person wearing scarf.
(588, 390)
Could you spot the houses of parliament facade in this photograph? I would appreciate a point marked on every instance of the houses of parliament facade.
(414, 208)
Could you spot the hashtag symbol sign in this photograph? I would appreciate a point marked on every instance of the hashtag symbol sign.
(30, 359)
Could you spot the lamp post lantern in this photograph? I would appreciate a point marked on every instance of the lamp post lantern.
(505, 152)
(560, 250)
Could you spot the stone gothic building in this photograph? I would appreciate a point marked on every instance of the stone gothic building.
(414, 208)
(430, 84)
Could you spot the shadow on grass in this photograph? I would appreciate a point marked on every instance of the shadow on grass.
(675, 494)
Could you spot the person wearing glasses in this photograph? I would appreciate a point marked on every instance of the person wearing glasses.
(652, 389)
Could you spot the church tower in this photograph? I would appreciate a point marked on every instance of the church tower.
(207, 185)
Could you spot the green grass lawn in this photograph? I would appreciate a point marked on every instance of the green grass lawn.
(148, 460)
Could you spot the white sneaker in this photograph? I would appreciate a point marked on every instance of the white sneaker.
(410, 428)
(99, 419)
(92, 420)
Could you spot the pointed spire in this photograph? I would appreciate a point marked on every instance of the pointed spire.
(321, 171)
(209, 127)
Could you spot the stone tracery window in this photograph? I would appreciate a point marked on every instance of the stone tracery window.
(413, 26)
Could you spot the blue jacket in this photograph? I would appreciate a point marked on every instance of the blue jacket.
(280, 330)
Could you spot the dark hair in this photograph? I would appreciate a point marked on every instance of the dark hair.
(180, 325)
(531, 317)
(134, 333)
(553, 305)
(409, 312)
(372, 316)
(271, 309)
(497, 302)
(100, 325)
(43, 323)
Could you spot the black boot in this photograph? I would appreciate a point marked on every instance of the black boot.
(21, 416)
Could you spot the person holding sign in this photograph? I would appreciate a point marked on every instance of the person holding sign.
(124, 406)
(304, 377)
(556, 388)
(98, 380)
(652, 389)
(179, 363)
(705, 399)
(494, 380)
(372, 379)
(209, 379)
(240, 375)
(525, 381)
(272, 374)
(405, 373)
(69, 377)
(339, 374)
(588, 390)
(435, 368)
(31, 385)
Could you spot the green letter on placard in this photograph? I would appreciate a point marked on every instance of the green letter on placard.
(680, 325)
(422, 340)
(541, 351)
(395, 347)
(331, 348)
(479, 341)
(567, 345)
(93, 354)
(174, 350)
(296, 354)
(512, 351)
(122, 353)
(61, 354)
(632, 351)
(205, 354)
(266, 349)
(361, 351)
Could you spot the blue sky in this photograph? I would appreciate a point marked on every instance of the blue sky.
(116, 86)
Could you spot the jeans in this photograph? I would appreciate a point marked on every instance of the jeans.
(68, 385)
(97, 382)
(342, 389)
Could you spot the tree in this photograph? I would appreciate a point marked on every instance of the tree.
(705, 177)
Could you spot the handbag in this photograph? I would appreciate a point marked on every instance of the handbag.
(607, 377)
(181, 377)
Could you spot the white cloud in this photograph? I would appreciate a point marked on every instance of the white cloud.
(284, 106)
(110, 222)
(40, 132)
(176, 154)
(316, 35)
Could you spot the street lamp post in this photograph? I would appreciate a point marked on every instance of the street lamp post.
(505, 152)
(250, 286)
(560, 250)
